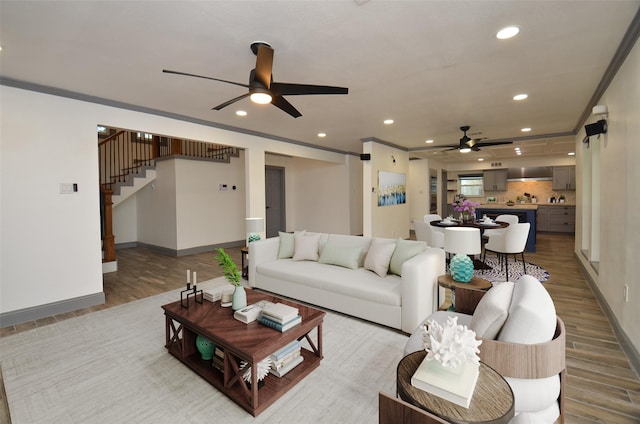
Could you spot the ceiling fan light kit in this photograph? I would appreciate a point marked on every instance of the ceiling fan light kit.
(262, 88)
(468, 144)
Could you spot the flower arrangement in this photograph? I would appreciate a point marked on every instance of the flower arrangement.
(450, 344)
(465, 206)
(229, 267)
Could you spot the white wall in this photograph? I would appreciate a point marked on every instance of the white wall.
(322, 196)
(205, 214)
(125, 221)
(620, 198)
(383, 221)
(49, 242)
(157, 218)
(418, 196)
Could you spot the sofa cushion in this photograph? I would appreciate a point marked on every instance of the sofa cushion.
(405, 249)
(379, 256)
(286, 246)
(305, 247)
(359, 283)
(492, 311)
(342, 240)
(347, 257)
(532, 315)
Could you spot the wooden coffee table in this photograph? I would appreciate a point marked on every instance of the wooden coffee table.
(251, 342)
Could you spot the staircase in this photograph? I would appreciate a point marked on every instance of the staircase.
(127, 164)
(133, 182)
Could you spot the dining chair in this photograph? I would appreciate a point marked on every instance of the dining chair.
(436, 234)
(510, 242)
(509, 219)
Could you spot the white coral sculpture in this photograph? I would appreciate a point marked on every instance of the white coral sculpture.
(263, 369)
(450, 344)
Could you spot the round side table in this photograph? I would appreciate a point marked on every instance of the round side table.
(448, 282)
(492, 400)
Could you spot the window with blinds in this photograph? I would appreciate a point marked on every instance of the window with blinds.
(471, 185)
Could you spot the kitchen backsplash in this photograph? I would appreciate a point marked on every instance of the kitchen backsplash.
(541, 189)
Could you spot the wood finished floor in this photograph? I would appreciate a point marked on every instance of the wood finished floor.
(601, 386)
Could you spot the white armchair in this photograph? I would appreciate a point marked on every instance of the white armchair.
(523, 340)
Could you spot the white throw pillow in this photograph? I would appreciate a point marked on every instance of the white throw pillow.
(492, 311)
(345, 256)
(405, 249)
(532, 314)
(379, 256)
(305, 247)
(286, 247)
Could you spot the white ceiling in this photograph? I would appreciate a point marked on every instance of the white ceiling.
(432, 66)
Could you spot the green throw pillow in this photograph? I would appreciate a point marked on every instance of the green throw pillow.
(347, 257)
(405, 249)
(286, 248)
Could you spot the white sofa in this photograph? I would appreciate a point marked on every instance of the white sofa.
(335, 272)
(522, 339)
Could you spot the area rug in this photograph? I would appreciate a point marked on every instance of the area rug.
(111, 367)
(493, 272)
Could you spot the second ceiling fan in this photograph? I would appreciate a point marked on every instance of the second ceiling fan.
(467, 144)
(263, 89)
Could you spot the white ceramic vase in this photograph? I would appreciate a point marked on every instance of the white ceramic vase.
(239, 298)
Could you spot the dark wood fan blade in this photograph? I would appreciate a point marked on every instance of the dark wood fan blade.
(264, 65)
(227, 103)
(285, 89)
(166, 71)
(281, 103)
(493, 143)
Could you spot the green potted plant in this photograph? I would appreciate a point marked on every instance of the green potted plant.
(232, 275)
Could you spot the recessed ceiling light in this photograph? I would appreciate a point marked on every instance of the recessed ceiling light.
(388, 121)
(241, 113)
(428, 141)
(507, 32)
(480, 159)
(321, 135)
(571, 153)
(527, 129)
(520, 96)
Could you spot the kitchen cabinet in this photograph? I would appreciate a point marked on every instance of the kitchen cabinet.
(495, 180)
(564, 177)
(557, 219)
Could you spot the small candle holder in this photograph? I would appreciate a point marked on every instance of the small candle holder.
(198, 295)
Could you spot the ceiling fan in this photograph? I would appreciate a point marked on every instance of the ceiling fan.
(468, 144)
(262, 88)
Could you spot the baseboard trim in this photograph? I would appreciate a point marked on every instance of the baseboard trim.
(50, 309)
(192, 250)
(625, 343)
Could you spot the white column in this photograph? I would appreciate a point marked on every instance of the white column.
(255, 184)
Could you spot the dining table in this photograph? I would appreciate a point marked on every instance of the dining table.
(481, 224)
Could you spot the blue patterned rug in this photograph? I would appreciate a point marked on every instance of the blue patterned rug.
(515, 270)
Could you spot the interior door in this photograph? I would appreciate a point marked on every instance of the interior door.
(275, 201)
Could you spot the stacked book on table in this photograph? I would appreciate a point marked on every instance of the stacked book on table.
(456, 386)
(286, 359)
(218, 359)
(279, 316)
